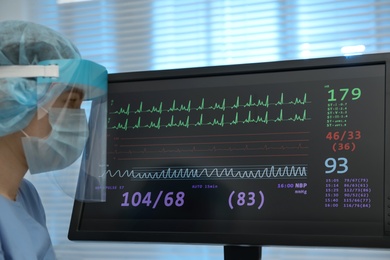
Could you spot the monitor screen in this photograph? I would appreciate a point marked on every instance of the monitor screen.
(282, 153)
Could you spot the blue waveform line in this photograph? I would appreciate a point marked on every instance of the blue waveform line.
(270, 172)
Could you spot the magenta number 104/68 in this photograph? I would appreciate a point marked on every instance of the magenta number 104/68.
(149, 199)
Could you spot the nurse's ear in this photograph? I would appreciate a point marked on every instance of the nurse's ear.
(39, 126)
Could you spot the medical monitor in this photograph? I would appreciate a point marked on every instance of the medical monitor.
(279, 153)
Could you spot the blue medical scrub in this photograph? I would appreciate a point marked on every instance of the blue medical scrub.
(23, 231)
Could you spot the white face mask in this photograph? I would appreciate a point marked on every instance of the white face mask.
(63, 146)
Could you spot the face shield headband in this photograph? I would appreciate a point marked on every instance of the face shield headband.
(57, 77)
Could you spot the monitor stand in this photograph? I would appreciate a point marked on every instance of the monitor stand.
(242, 252)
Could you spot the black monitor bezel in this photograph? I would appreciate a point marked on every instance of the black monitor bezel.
(239, 239)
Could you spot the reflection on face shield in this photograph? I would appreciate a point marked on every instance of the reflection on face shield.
(63, 146)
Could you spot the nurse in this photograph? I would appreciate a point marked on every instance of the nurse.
(43, 83)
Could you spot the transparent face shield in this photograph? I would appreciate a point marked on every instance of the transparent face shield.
(66, 134)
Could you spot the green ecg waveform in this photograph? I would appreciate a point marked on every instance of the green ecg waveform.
(221, 121)
(188, 106)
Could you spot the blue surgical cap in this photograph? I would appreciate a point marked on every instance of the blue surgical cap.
(26, 43)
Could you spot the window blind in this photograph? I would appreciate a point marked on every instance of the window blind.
(165, 34)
